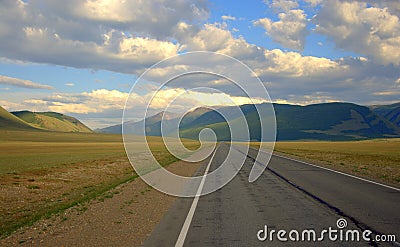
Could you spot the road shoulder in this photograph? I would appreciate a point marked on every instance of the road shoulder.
(123, 216)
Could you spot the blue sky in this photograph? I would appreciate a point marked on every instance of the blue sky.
(82, 57)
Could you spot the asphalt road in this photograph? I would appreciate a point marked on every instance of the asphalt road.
(289, 195)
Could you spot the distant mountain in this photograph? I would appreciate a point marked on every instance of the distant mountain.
(52, 121)
(331, 121)
(153, 124)
(390, 112)
(215, 120)
(10, 122)
(328, 121)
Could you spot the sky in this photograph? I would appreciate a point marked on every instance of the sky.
(82, 57)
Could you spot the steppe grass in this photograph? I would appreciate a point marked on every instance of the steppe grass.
(377, 159)
(43, 173)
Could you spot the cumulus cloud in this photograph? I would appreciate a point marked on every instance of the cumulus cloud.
(117, 52)
(362, 28)
(215, 37)
(193, 98)
(286, 72)
(294, 65)
(290, 31)
(6, 80)
(212, 37)
(115, 35)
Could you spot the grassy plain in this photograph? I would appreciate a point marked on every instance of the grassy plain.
(42, 173)
(377, 159)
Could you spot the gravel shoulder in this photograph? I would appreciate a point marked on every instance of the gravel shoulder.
(123, 216)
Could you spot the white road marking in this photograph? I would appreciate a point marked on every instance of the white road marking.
(342, 173)
(185, 228)
(328, 169)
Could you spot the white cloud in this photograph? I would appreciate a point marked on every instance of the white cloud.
(6, 80)
(290, 31)
(35, 101)
(8, 105)
(314, 2)
(117, 52)
(146, 49)
(358, 27)
(154, 18)
(228, 17)
(105, 99)
(70, 108)
(216, 37)
(293, 64)
(212, 37)
(166, 71)
(290, 72)
(284, 5)
(96, 101)
(69, 84)
(117, 35)
(314, 98)
(102, 100)
(190, 99)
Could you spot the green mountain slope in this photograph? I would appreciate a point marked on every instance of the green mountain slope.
(331, 121)
(52, 121)
(390, 112)
(10, 122)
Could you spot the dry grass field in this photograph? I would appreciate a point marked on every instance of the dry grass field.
(42, 173)
(378, 159)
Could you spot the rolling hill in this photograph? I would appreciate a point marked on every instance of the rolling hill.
(10, 122)
(52, 121)
(328, 121)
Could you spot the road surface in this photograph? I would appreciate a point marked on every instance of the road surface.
(291, 196)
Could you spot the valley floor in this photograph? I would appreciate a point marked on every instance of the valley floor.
(59, 188)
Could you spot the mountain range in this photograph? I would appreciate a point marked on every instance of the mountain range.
(326, 121)
(39, 121)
